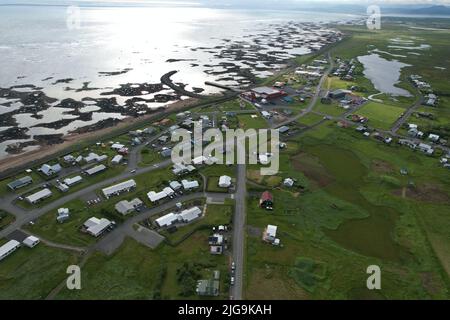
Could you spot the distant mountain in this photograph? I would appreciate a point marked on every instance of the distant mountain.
(429, 10)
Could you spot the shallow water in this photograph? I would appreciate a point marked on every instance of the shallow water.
(384, 74)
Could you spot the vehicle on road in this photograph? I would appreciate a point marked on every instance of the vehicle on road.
(232, 281)
(133, 171)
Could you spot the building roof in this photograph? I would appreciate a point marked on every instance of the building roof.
(123, 186)
(20, 182)
(271, 230)
(117, 158)
(39, 195)
(265, 91)
(96, 169)
(30, 241)
(125, 206)
(73, 180)
(266, 196)
(190, 214)
(98, 228)
(156, 196)
(167, 219)
(175, 185)
(50, 169)
(190, 184)
(224, 181)
(4, 249)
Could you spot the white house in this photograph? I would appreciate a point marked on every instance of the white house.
(96, 169)
(433, 137)
(125, 186)
(50, 170)
(38, 196)
(190, 214)
(270, 234)
(224, 182)
(96, 227)
(167, 220)
(71, 181)
(31, 241)
(288, 182)
(190, 185)
(117, 159)
(124, 207)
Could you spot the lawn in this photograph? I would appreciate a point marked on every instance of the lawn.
(216, 214)
(310, 119)
(68, 232)
(5, 219)
(246, 121)
(33, 273)
(381, 116)
(150, 157)
(137, 272)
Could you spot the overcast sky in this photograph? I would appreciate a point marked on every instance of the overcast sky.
(256, 3)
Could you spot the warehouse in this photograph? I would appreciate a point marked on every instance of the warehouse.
(268, 93)
(20, 183)
(38, 196)
(117, 189)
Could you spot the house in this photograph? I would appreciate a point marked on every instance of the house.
(270, 233)
(38, 196)
(117, 146)
(157, 196)
(95, 170)
(216, 250)
(433, 137)
(190, 185)
(188, 215)
(72, 181)
(288, 182)
(339, 94)
(8, 248)
(167, 220)
(20, 183)
(208, 287)
(69, 158)
(166, 152)
(175, 185)
(224, 182)
(283, 129)
(216, 239)
(124, 207)
(31, 241)
(117, 189)
(50, 170)
(425, 148)
(117, 159)
(96, 227)
(266, 200)
(62, 187)
(63, 215)
(264, 158)
(91, 157)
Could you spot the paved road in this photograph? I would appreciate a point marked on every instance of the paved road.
(239, 231)
(314, 99)
(406, 115)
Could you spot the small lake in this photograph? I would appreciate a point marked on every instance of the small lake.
(384, 74)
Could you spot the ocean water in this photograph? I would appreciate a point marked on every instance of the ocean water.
(40, 45)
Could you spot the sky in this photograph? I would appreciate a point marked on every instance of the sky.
(248, 3)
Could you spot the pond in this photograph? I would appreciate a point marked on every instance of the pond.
(384, 74)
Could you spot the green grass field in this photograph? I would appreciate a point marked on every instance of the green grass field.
(381, 116)
(33, 273)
